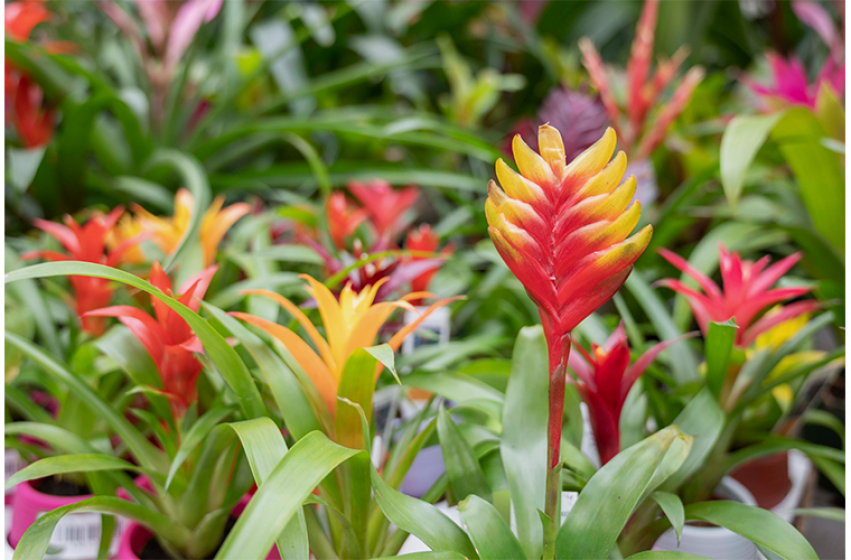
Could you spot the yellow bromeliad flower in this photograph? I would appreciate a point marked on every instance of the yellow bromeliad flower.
(350, 323)
(773, 339)
(167, 232)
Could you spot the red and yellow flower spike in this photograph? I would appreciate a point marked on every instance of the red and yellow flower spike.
(563, 230)
(352, 322)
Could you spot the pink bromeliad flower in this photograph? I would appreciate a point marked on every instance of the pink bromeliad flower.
(605, 377)
(790, 84)
(746, 293)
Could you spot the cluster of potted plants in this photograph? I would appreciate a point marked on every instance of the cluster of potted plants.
(257, 308)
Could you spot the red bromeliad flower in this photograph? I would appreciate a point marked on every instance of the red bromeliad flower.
(88, 244)
(563, 230)
(343, 219)
(425, 240)
(745, 295)
(605, 378)
(24, 98)
(168, 338)
(384, 204)
(643, 92)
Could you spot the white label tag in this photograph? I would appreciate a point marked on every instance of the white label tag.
(433, 330)
(14, 463)
(77, 536)
(568, 500)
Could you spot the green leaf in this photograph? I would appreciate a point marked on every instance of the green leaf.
(456, 387)
(819, 171)
(29, 292)
(34, 542)
(665, 555)
(431, 555)
(304, 466)
(142, 449)
(489, 532)
(596, 520)
(421, 519)
(832, 513)
(684, 365)
(704, 420)
(195, 179)
(672, 507)
(742, 139)
(524, 445)
(357, 385)
(824, 418)
(384, 354)
(462, 466)
(226, 359)
(196, 434)
(264, 446)
(285, 387)
(758, 525)
(63, 464)
(719, 345)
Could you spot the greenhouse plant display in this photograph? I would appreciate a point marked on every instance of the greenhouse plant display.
(438, 280)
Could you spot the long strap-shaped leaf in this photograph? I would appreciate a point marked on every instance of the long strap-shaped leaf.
(143, 450)
(488, 530)
(610, 497)
(195, 178)
(265, 447)
(282, 494)
(34, 542)
(227, 361)
(765, 529)
(63, 464)
(283, 384)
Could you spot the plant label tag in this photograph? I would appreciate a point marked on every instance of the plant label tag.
(568, 500)
(433, 330)
(14, 463)
(77, 537)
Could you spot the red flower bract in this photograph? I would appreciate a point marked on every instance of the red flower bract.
(384, 204)
(86, 243)
(605, 378)
(745, 295)
(168, 338)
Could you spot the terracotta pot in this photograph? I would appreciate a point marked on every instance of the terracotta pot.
(715, 542)
(136, 536)
(767, 478)
(77, 535)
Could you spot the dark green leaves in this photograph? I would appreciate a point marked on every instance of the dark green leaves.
(465, 474)
(719, 344)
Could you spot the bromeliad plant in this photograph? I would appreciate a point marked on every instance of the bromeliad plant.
(563, 229)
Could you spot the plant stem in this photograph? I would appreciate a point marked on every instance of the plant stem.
(558, 361)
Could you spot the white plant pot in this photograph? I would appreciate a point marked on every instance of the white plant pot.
(715, 542)
(12, 464)
(800, 467)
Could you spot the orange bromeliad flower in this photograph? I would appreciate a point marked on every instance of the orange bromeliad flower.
(167, 232)
(168, 338)
(88, 244)
(745, 295)
(350, 323)
(563, 230)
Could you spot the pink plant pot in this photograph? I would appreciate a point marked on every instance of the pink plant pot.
(136, 536)
(77, 535)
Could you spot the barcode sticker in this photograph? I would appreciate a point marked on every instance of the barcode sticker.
(568, 500)
(77, 537)
(14, 463)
